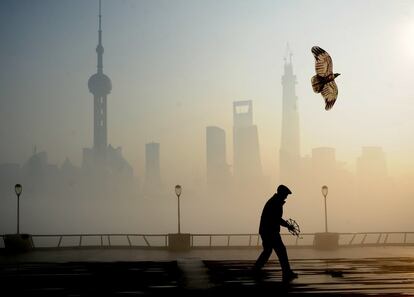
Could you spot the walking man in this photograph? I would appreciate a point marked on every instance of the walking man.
(269, 231)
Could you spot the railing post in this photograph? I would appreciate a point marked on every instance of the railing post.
(379, 238)
(80, 240)
(146, 241)
(352, 239)
(228, 240)
(405, 237)
(363, 239)
(210, 241)
(60, 240)
(109, 240)
(129, 241)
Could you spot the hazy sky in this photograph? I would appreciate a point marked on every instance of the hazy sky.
(177, 66)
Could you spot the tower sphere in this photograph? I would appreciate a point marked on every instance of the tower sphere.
(100, 84)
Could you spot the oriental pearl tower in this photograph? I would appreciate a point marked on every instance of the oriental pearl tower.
(100, 86)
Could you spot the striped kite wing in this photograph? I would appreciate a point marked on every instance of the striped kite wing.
(330, 93)
(323, 62)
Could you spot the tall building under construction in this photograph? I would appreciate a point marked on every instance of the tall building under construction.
(289, 153)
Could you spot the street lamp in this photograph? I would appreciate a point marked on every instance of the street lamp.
(325, 193)
(18, 189)
(178, 189)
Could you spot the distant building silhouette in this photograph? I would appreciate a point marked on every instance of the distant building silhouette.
(374, 186)
(372, 164)
(152, 167)
(323, 168)
(37, 164)
(116, 163)
(41, 175)
(218, 173)
(247, 165)
(70, 173)
(289, 153)
(323, 161)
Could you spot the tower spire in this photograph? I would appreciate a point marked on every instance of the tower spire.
(288, 54)
(99, 48)
(100, 15)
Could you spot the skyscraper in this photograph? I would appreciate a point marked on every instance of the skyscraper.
(100, 86)
(289, 154)
(218, 174)
(247, 165)
(152, 166)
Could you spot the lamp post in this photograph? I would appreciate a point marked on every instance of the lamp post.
(178, 189)
(325, 193)
(18, 189)
(326, 240)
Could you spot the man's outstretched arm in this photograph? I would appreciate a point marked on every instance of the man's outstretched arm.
(284, 223)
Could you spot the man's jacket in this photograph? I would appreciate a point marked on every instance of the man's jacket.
(271, 218)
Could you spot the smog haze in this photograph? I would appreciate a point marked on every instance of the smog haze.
(178, 67)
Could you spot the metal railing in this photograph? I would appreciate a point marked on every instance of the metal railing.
(305, 240)
(242, 240)
(99, 240)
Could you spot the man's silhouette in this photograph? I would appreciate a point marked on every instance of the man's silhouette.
(269, 231)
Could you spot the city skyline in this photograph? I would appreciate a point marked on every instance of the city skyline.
(129, 107)
(248, 90)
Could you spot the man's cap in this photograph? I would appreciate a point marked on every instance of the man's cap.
(282, 189)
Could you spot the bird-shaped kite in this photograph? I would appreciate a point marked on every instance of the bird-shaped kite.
(324, 80)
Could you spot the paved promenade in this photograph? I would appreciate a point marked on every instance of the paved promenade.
(369, 271)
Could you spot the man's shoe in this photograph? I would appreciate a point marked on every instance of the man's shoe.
(255, 269)
(287, 277)
(257, 273)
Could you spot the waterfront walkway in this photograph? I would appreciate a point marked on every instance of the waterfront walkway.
(376, 271)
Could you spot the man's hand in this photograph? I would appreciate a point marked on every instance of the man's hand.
(293, 227)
